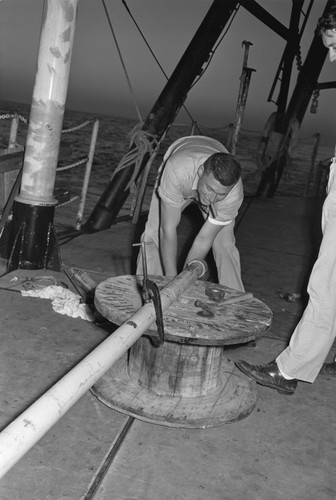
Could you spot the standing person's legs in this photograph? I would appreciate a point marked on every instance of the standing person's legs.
(316, 331)
(227, 258)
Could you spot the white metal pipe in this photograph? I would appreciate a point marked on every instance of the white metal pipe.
(26, 430)
(87, 174)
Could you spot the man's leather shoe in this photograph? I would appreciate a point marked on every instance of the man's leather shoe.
(268, 375)
(328, 369)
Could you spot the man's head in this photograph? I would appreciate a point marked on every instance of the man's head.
(219, 173)
(326, 28)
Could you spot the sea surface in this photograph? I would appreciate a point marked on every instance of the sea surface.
(114, 137)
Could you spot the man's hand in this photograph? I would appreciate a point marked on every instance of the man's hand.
(169, 220)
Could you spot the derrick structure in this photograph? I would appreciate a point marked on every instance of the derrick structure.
(282, 126)
(33, 238)
(277, 140)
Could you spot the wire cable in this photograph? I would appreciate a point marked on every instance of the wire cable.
(212, 53)
(122, 61)
(156, 59)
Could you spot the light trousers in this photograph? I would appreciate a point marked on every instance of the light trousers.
(315, 333)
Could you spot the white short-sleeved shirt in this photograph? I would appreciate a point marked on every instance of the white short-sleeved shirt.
(180, 177)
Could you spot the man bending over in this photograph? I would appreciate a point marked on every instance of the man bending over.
(195, 169)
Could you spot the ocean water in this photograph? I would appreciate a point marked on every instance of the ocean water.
(114, 137)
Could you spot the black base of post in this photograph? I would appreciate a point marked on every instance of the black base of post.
(30, 238)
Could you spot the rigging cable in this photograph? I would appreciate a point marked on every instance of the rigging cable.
(142, 142)
(155, 58)
(144, 39)
(212, 53)
(122, 61)
(157, 61)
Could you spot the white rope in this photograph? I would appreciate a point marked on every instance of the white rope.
(145, 143)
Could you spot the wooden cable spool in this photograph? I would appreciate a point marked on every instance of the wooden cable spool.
(186, 382)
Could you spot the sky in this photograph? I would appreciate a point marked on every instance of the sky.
(98, 83)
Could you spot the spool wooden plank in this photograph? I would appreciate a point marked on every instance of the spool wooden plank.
(119, 297)
(234, 399)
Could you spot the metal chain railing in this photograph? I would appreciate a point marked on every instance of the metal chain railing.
(16, 118)
(298, 57)
(7, 116)
(315, 101)
(72, 165)
(77, 127)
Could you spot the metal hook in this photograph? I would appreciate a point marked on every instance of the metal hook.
(152, 292)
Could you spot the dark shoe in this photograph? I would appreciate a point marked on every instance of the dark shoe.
(328, 369)
(268, 375)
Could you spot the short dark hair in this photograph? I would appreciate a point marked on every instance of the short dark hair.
(327, 21)
(224, 167)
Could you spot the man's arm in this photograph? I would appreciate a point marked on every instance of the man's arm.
(203, 241)
(169, 220)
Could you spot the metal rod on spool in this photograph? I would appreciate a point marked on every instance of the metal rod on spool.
(26, 430)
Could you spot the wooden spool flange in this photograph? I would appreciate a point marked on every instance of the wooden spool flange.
(186, 382)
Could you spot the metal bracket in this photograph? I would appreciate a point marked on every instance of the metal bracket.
(152, 292)
(155, 296)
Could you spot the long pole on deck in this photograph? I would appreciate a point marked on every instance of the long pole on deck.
(165, 109)
(26, 430)
(33, 239)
